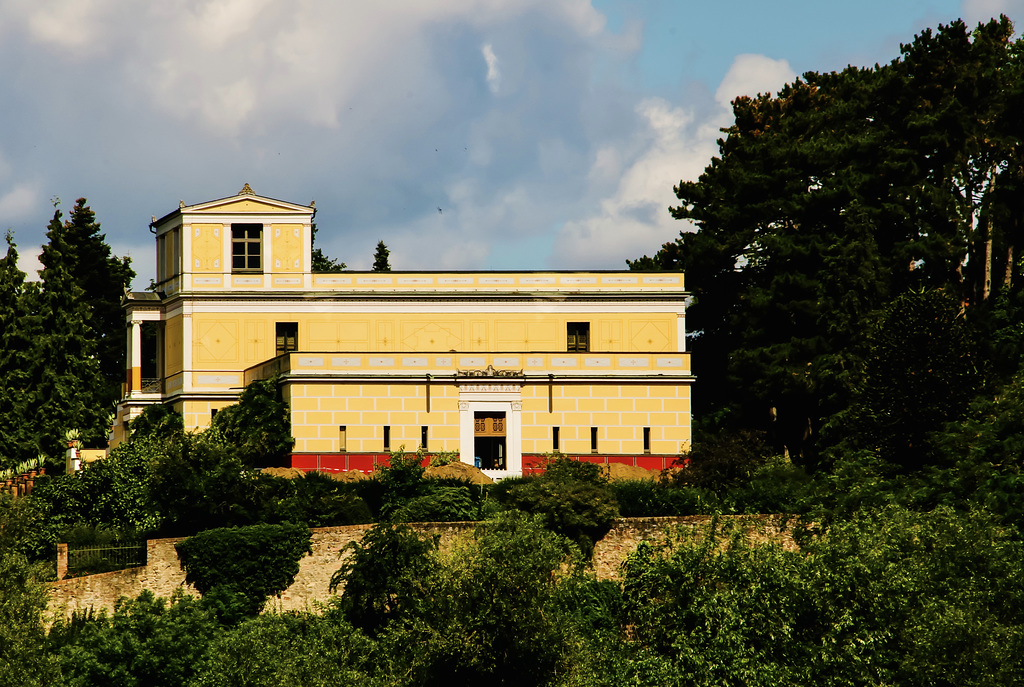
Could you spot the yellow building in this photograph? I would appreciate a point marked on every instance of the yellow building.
(499, 367)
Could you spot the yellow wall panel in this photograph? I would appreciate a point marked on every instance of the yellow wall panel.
(442, 335)
(172, 346)
(286, 247)
(216, 340)
(257, 344)
(208, 248)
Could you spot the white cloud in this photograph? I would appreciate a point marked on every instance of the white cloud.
(976, 11)
(670, 145)
(19, 202)
(493, 75)
(751, 75)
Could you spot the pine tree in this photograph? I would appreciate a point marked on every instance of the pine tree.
(68, 390)
(16, 413)
(380, 258)
(103, 279)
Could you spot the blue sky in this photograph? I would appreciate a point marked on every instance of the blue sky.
(549, 133)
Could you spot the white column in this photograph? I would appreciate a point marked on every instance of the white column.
(135, 357)
(514, 440)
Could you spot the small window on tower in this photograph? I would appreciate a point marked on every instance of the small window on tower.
(246, 247)
(287, 337)
(577, 337)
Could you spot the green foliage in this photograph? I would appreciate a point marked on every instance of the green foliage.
(380, 258)
(159, 421)
(400, 481)
(282, 650)
(147, 642)
(23, 597)
(103, 279)
(892, 597)
(441, 504)
(487, 615)
(920, 374)
(644, 498)
(832, 197)
(16, 413)
(111, 494)
(572, 498)
(237, 569)
(384, 575)
(259, 425)
(320, 501)
(721, 460)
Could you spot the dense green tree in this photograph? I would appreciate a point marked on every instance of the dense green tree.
(920, 374)
(237, 569)
(259, 425)
(66, 384)
(282, 650)
(16, 414)
(103, 279)
(827, 200)
(572, 498)
(380, 258)
(23, 597)
(384, 576)
(488, 615)
(147, 642)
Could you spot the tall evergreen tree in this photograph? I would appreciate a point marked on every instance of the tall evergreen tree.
(103, 279)
(67, 384)
(380, 258)
(16, 413)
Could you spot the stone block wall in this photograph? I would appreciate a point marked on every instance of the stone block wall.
(163, 574)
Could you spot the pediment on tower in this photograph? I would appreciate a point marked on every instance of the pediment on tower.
(246, 201)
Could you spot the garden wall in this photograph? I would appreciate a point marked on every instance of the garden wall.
(163, 574)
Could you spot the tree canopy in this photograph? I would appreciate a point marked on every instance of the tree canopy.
(829, 199)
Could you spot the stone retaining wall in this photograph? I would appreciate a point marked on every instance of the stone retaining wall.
(163, 574)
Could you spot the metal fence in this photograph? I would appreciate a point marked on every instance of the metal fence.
(86, 560)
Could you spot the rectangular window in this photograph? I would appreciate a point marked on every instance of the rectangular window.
(246, 247)
(423, 437)
(554, 439)
(287, 337)
(577, 336)
(387, 438)
(647, 439)
(593, 439)
(342, 438)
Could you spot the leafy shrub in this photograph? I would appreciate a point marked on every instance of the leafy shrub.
(486, 613)
(288, 649)
(720, 461)
(326, 502)
(384, 576)
(572, 498)
(237, 569)
(646, 498)
(441, 504)
(147, 642)
(258, 426)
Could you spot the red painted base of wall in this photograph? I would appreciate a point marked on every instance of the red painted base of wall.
(533, 463)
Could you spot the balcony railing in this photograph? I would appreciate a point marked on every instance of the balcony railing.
(152, 385)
